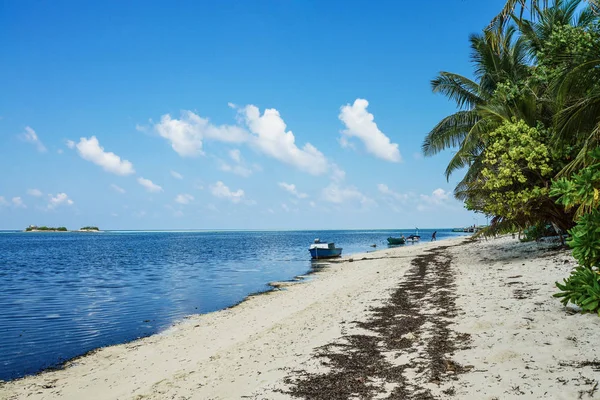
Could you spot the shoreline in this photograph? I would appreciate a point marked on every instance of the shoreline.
(459, 317)
(317, 266)
(276, 289)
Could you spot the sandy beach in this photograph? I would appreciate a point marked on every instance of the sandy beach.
(449, 319)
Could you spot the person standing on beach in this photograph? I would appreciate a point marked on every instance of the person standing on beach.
(433, 236)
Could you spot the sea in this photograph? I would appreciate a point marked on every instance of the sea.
(64, 294)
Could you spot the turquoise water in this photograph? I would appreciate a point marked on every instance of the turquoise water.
(63, 294)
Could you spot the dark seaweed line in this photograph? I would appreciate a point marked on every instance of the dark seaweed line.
(415, 322)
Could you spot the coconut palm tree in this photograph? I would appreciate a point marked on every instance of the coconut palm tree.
(498, 57)
(517, 8)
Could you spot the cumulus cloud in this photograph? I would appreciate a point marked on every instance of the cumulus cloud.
(70, 144)
(384, 189)
(176, 175)
(149, 185)
(291, 188)
(220, 190)
(187, 133)
(31, 137)
(337, 194)
(90, 150)
(3, 202)
(18, 202)
(117, 189)
(34, 192)
(238, 167)
(360, 124)
(270, 137)
(59, 200)
(184, 198)
(438, 196)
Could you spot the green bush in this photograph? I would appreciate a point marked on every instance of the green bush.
(536, 232)
(581, 288)
(581, 191)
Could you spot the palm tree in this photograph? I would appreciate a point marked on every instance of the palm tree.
(514, 7)
(498, 58)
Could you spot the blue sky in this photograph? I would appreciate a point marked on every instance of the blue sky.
(228, 115)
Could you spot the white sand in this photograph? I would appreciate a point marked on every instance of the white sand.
(247, 351)
(519, 344)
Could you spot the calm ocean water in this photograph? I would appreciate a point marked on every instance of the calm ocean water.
(63, 294)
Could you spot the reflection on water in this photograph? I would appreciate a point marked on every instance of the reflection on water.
(67, 293)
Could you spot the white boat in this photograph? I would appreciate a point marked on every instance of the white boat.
(324, 250)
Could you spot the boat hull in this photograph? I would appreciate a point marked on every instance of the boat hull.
(392, 240)
(318, 253)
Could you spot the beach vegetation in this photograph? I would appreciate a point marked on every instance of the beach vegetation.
(582, 288)
(529, 115)
(526, 126)
(45, 228)
(89, 228)
(582, 192)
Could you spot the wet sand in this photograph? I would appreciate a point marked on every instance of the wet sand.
(451, 319)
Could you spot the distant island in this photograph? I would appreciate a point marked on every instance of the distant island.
(89, 229)
(35, 228)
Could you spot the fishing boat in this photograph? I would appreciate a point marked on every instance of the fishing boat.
(393, 240)
(414, 237)
(324, 250)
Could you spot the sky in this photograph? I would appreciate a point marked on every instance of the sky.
(273, 114)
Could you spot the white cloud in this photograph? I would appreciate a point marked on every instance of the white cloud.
(59, 151)
(235, 155)
(90, 150)
(291, 188)
(220, 190)
(58, 200)
(187, 133)
(114, 214)
(345, 143)
(31, 137)
(117, 189)
(337, 174)
(18, 202)
(3, 201)
(34, 192)
(184, 198)
(149, 185)
(312, 204)
(239, 167)
(334, 193)
(236, 169)
(141, 128)
(360, 123)
(384, 189)
(271, 138)
(70, 144)
(438, 196)
(176, 175)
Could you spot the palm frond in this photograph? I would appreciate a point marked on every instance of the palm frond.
(449, 132)
(463, 91)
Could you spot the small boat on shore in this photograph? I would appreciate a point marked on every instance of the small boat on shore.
(415, 237)
(393, 240)
(324, 250)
